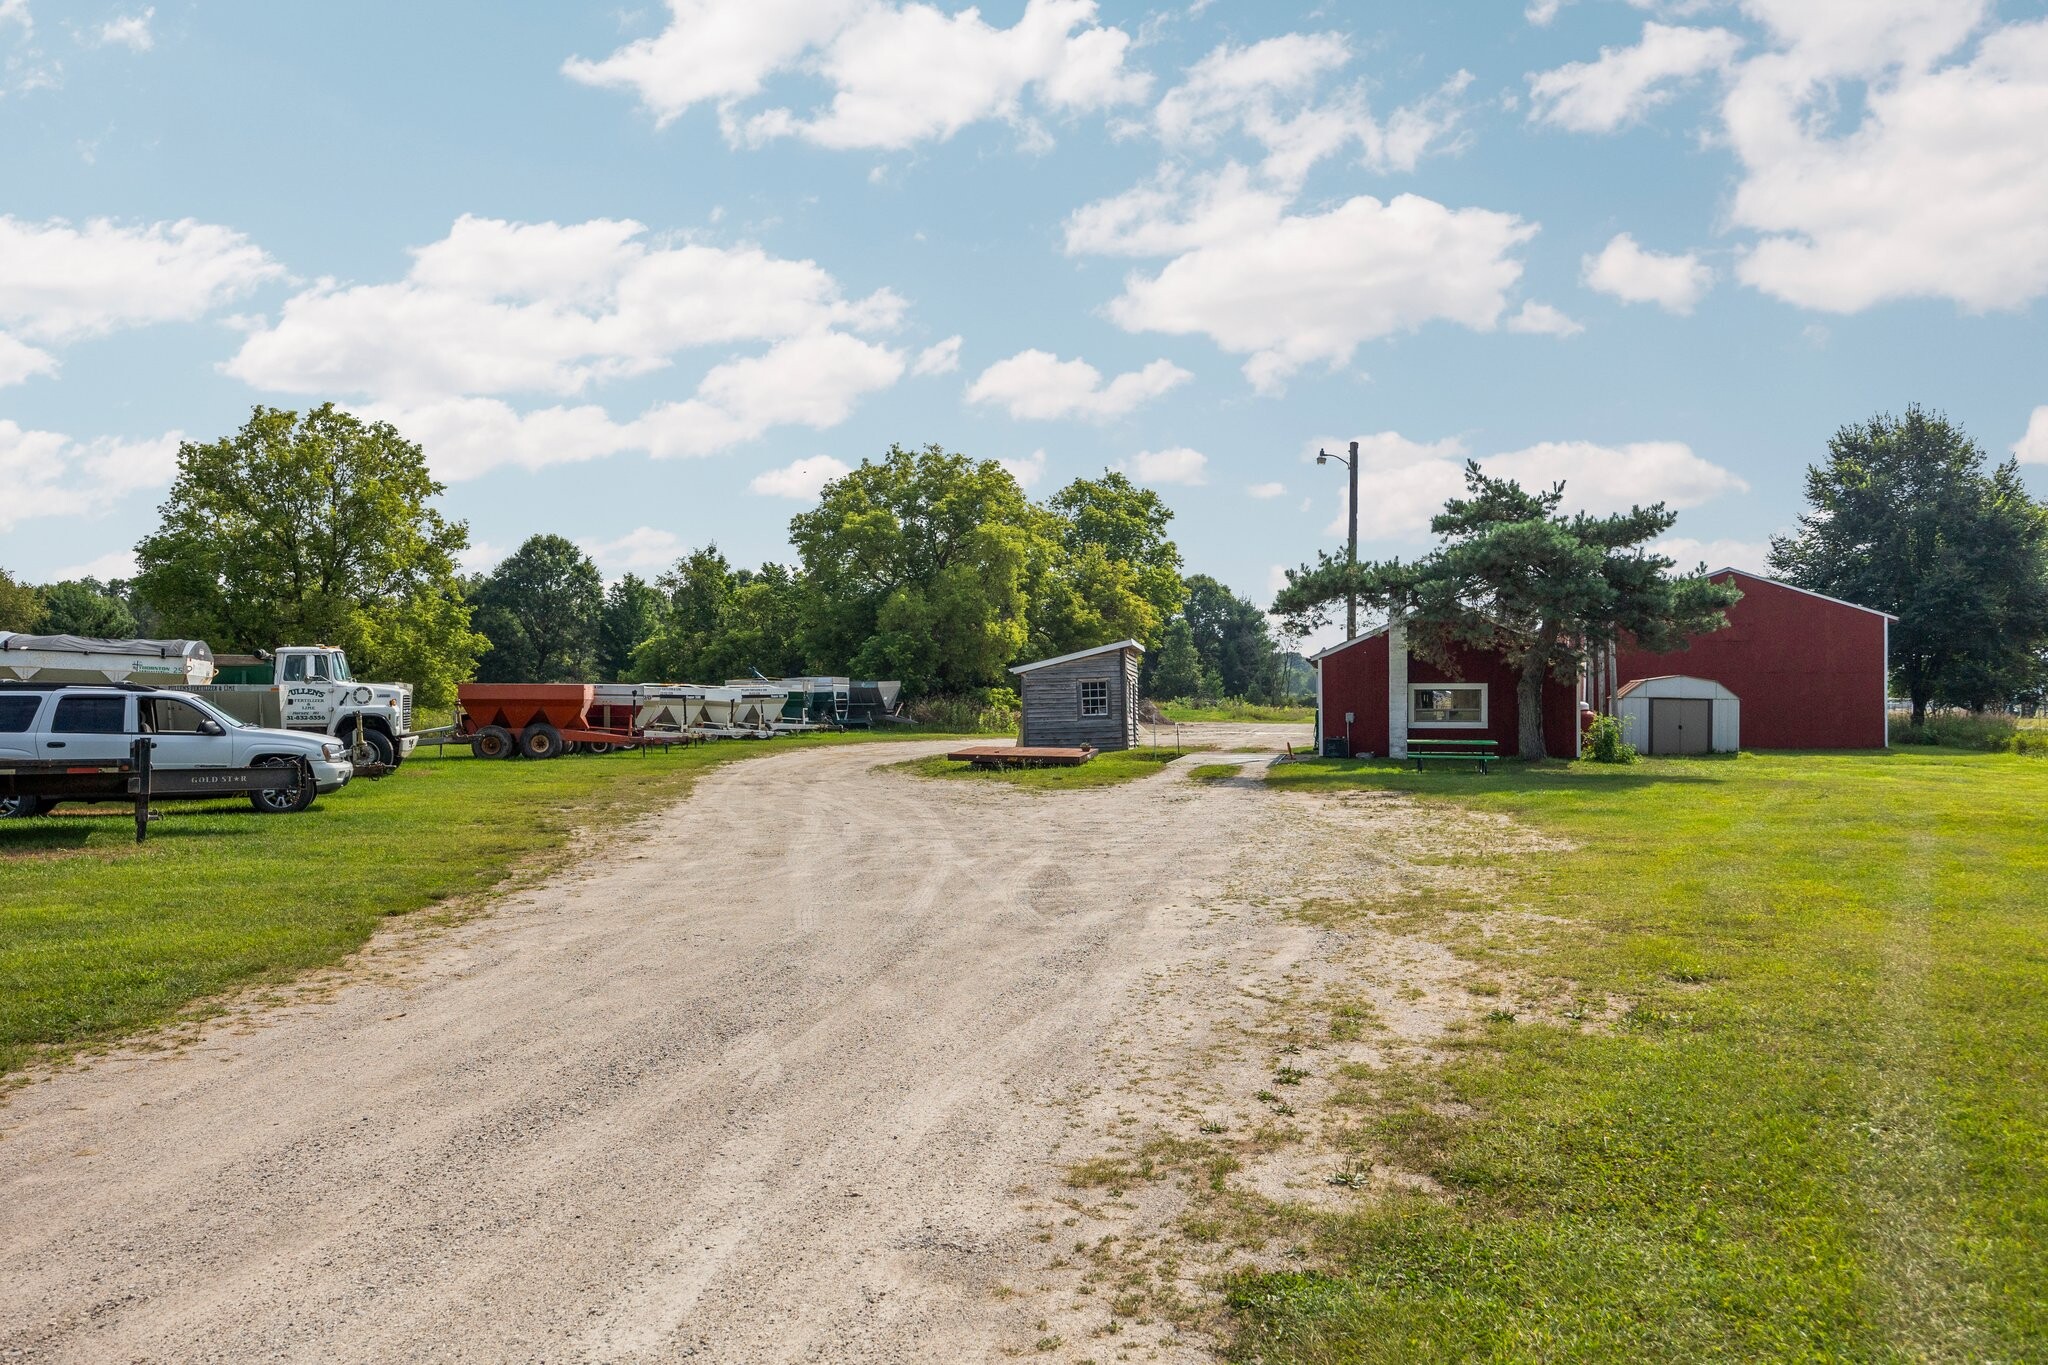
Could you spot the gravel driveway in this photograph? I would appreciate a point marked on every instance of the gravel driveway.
(775, 1079)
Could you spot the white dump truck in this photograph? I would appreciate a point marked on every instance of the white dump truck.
(299, 687)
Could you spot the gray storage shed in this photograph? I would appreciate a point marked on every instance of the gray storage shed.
(1086, 698)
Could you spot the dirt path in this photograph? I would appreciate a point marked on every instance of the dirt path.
(792, 1076)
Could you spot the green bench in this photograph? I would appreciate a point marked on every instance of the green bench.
(1480, 751)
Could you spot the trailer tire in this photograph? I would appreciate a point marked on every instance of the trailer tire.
(493, 741)
(291, 800)
(597, 746)
(20, 807)
(540, 740)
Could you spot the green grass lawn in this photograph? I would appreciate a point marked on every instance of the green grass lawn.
(101, 937)
(1103, 770)
(1214, 772)
(1801, 1112)
(1186, 712)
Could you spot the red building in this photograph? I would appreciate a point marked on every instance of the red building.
(1810, 672)
(1373, 694)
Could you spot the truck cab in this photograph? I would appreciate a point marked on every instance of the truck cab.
(310, 688)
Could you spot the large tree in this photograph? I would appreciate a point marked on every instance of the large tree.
(539, 609)
(83, 606)
(1515, 575)
(314, 527)
(918, 566)
(1904, 516)
(719, 622)
(1113, 575)
(632, 615)
(20, 604)
(1234, 639)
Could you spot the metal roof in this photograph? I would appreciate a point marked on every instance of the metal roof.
(1794, 587)
(1079, 654)
(1346, 644)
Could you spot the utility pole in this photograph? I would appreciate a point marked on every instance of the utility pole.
(1351, 596)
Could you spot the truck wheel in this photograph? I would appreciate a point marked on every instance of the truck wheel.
(20, 807)
(493, 741)
(541, 740)
(376, 748)
(286, 800)
(597, 746)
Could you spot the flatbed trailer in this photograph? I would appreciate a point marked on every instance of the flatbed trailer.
(543, 720)
(135, 779)
(1019, 756)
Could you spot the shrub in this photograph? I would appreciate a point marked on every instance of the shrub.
(1604, 743)
(1987, 733)
(991, 712)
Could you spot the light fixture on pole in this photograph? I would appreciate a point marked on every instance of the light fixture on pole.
(1351, 594)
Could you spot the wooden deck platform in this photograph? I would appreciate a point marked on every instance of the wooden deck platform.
(1015, 756)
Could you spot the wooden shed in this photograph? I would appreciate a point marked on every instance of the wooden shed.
(1087, 698)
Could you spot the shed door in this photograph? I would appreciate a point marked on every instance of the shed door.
(1681, 725)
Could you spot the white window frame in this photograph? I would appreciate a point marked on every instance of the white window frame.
(1485, 710)
(1081, 693)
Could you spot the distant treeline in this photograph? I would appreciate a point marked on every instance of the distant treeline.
(923, 566)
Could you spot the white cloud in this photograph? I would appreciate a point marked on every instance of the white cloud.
(1540, 319)
(643, 550)
(20, 361)
(1267, 90)
(811, 380)
(1940, 190)
(1039, 385)
(1263, 491)
(899, 73)
(47, 474)
(59, 282)
(803, 479)
(1634, 275)
(1625, 83)
(2032, 448)
(1404, 482)
(1027, 471)
(129, 31)
(1176, 465)
(481, 556)
(940, 358)
(498, 307)
(1752, 555)
(106, 568)
(1288, 290)
(16, 12)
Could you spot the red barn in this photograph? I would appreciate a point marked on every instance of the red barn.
(1373, 693)
(1808, 672)
(1812, 672)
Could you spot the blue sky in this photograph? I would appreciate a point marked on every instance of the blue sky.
(644, 276)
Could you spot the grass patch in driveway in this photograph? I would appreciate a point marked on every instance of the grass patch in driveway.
(1214, 772)
(1103, 770)
(101, 937)
(1777, 1087)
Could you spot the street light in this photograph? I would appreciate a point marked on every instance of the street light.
(1351, 596)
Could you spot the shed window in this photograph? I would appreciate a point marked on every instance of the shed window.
(1095, 697)
(1457, 705)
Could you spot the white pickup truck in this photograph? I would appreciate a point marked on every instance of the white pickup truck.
(86, 725)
